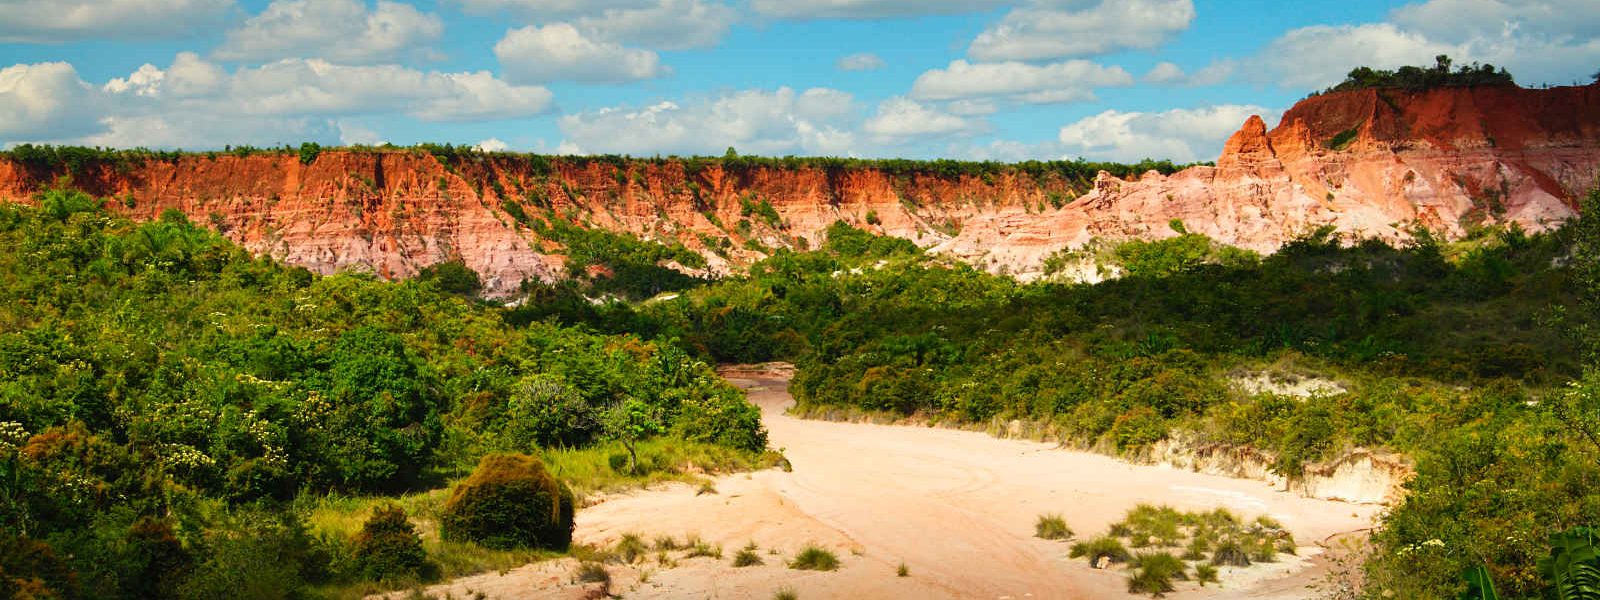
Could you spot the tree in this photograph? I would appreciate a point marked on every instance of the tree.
(630, 421)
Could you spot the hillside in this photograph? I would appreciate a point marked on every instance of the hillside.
(1371, 162)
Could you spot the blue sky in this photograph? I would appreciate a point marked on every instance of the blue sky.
(1002, 79)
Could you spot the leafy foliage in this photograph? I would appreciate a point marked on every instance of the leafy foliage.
(388, 546)
(510, 501)
(1414, 79)
(155, 369)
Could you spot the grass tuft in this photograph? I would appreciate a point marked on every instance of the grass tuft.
(815, 558)
(1052, 527)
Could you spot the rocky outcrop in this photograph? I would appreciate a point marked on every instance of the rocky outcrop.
(1372, 162)
(1358, 475)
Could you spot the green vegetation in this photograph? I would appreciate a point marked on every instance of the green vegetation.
(1457, 355)
(178, 418)
(602, 262)
(1052, 527)
(510, 501)
(388, 547)
(748, 556)
(1416, 79)
(1153, 573)
(814, 558)
(1343, 139)
(452, 276)
(1101, 549)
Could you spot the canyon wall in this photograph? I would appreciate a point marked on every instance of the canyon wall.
(1372, 162)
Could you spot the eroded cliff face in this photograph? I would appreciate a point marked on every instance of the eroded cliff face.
(1370, 162)
(1373, 163)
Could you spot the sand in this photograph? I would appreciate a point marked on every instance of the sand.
(956, 507)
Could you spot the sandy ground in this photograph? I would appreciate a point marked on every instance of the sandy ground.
(956, 507)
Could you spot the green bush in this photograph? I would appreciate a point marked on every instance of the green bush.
(453, 276)
(1153, 573)
(1231, 553)
(1103, 547)
(814, 558)
(510, 501)
(388, 546)
(1052, 527)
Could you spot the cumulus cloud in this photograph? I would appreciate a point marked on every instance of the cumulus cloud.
(870, 9)
(44, 100)
(1166, 73)
(340, 30)
(1182, 135)
(195, 103)
(775, 122)
(67, 20)
(560, 52)
(1312, 57)
(1046, 29)
(901, 119)
(666, 24)
(658, 24)
(1555, 41)
(864, 61)
(491, 145)
(1069, 81)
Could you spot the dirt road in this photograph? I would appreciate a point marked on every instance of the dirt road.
(956, 507)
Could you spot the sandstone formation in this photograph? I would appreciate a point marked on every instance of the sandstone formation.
(1373, 163)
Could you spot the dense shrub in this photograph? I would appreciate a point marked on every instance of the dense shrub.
(510, 501)
(388, 546)
(453, 276)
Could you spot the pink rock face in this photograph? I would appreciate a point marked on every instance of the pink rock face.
(1446, 159)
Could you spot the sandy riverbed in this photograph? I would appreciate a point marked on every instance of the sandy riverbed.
(956, 507)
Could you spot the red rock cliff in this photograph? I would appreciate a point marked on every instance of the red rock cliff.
(1371, 162)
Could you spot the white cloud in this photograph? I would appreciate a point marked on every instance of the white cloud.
(1069, 81)
(197, 104)
(870, 9)
(667, 24)
(1166, 73)
(1182, 135)
(1046, 29)
(43, 100)
(658, 24)
(356, 134)
(1554, 41)
(560, 52)
(1320, 55)
(550, 9)
(339, 30)
(1462, 20)
(765, 122)
(491, 145)
(901, 119)
(864, 61)
(66, 20)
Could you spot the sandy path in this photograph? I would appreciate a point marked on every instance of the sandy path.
(956, 507)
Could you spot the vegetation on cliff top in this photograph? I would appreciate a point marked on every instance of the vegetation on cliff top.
(78, 159)
(1416, 79)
